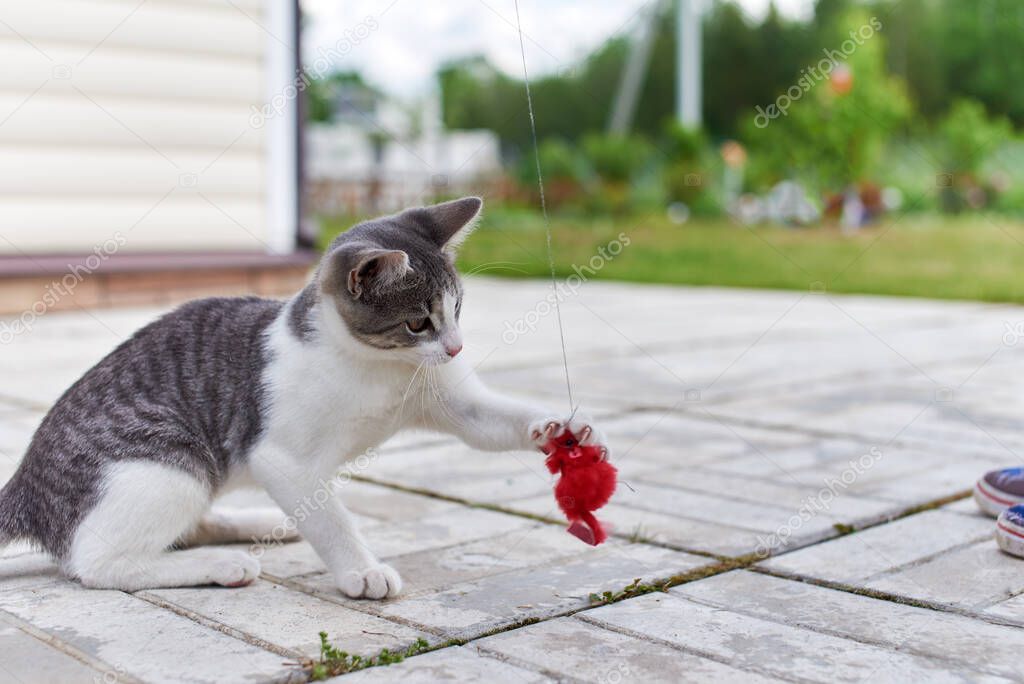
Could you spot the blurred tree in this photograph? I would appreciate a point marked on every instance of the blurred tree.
(968, 137)
(829, 137)
(946, 49)
(743, 65)
(338, 91)
(565, 172)
(941, 49)
(616, 158)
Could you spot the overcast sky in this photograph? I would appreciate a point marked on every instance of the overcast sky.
(406, 40)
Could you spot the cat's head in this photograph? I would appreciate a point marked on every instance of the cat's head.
(392, 281)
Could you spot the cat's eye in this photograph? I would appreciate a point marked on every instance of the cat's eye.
(418, 325)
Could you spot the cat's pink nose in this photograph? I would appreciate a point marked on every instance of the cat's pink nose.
(453, 351)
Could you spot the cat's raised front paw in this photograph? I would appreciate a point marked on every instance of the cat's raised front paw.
(542, 431)
(376, 582)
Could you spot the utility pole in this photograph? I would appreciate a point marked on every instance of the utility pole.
(633, 76)
(688, 66)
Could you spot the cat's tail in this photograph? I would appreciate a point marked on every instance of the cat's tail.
(10, 529)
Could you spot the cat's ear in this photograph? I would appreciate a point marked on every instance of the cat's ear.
(454, 221)
(356, 271)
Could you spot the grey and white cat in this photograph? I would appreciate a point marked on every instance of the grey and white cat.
(122, 471)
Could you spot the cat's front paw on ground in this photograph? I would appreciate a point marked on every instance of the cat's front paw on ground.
(234, 569)
(375, 582)
(543, 431)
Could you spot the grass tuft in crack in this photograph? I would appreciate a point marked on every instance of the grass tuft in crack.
(634, 588)
(638, 588)
(334, 662)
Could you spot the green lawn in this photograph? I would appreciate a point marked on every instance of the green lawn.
(974, 257)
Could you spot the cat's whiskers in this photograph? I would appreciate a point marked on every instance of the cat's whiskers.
(440, 400)
(408, 389)
(423, 394)
(495, 266)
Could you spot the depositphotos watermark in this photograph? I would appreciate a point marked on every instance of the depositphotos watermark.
(1014, 333)
(58, 289)
(820, 502)
(325, 60)
(816, 73)
(569, 287)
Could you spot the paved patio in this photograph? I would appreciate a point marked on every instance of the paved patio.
(839, 434)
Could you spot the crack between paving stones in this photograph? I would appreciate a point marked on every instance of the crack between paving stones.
(703, 468)
(924, 560)
(295, 584)
(898, 648)
(352, 604)
(693, 574)
(885, 596)
(598, 354)
(498, 508)
(524, 664)
(708, 655)
(724, 565)
(789, 428)
(67, 649)
(726, 396)
(641, 478)
(860, 526)
(898, 442)
(219, 626)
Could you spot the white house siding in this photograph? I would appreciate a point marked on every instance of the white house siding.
(121, 116)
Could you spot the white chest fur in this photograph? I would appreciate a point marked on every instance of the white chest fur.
(326, 403)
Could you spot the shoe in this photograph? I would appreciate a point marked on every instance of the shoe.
(999, 490)
(1010, 531)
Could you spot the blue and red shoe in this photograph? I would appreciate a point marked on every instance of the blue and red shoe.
(1010, 531)
(999, 490)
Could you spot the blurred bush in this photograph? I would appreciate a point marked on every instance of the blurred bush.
(968, 137)
(832, 136)
(879, 120)
(690, 169)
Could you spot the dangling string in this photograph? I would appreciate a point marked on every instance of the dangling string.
(544, 211)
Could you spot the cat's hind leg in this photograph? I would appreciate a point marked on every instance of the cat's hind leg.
(241, 525)
(143, 509)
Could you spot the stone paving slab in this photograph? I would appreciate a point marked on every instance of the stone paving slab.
(456, 664)
(750, 369)
(1010, 610)
(965, 408)
(965, 642)
(469, 609)
(771, 647)
(797, 489)
(142, 640)
(974, 578)
(939, 558)
(868, 554)
(727, 418)
(606, 320)
(590, 653)
(295, 624)
(27, 656)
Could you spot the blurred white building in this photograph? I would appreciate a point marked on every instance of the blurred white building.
(379, 156)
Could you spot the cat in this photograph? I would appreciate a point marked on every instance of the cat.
(118, 480)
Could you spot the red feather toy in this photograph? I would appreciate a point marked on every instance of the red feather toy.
(587, 482)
